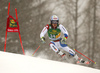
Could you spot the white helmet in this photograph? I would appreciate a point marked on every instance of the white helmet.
(54, 19)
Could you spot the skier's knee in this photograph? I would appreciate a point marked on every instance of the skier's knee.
(53, 46)
(72, 53)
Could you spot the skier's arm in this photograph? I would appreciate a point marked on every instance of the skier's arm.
(64, 31)
(43, 32)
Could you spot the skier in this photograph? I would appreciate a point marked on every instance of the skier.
(54, 30)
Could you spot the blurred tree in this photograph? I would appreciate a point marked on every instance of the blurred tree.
(94, 31)
(76, 25)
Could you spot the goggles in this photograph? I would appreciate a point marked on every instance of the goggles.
(54, 22)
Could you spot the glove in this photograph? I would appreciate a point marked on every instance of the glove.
(63, 40)
(43, 40)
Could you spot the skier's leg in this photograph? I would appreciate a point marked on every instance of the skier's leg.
(72, 53)
(55, 48)
(69, 50)
(75, 56)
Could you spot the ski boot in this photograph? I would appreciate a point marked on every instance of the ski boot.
(82, 61)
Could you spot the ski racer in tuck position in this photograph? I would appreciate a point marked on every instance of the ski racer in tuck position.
(54, 30)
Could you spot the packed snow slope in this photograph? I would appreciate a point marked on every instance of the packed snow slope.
(15, 63)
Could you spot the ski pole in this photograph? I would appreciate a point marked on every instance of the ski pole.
(36, 50)
(85, 56)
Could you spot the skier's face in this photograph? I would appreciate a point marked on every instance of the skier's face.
(54, 25)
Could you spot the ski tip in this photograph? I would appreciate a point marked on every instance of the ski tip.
(74, 48)
(95, 62)
(32, 54)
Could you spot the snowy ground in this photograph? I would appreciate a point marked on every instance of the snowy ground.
(15, 63)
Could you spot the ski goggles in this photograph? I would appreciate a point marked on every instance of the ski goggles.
(54, 22)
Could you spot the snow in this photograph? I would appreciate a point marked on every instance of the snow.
(16, 63)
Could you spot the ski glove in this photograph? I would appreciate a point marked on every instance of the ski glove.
(43, 40)
(63, 40)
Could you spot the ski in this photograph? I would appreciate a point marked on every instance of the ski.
(79, 61)
(84, 62)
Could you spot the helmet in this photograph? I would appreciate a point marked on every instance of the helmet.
(54, 19)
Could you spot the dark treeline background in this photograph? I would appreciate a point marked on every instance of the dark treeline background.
(81, 18)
